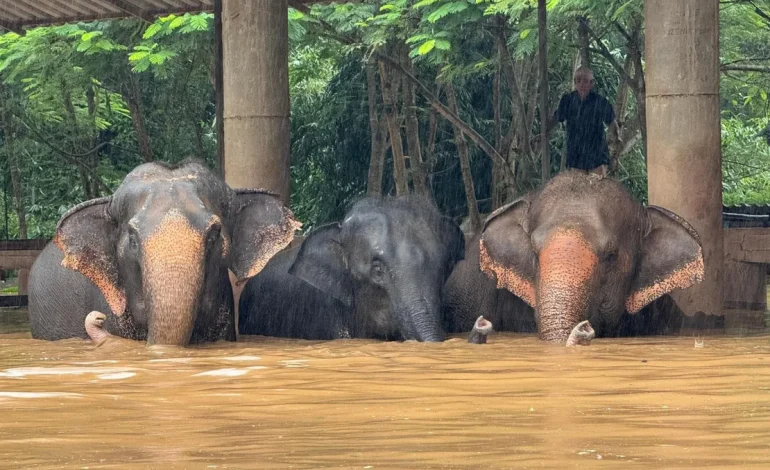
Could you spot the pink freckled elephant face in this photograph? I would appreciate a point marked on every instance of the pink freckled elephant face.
(160, 249)
(582, 248)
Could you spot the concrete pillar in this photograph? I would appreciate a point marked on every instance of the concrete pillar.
(255, 50)
(683, 154)
(23, 281)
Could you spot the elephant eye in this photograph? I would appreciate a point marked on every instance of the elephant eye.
(213, 235)
(611, 256)
(133, 240)
(378, 269)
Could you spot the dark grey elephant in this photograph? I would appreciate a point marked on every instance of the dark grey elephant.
(155, 256)
(580, 248)
(377, 274)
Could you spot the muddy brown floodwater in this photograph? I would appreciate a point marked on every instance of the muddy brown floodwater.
(514, 402)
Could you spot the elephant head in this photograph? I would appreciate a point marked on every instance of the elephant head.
(161, 244)
(387, 260)
(583, 249)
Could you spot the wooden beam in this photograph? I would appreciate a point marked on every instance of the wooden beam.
(131, 9)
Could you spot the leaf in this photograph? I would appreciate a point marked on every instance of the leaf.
(426, 47)
(621, 9)
(137, 56)
(443, 44)
(424, 3)
(90, 35)
(524, 33)
(179, 21)
(152, 30)
(447, 9)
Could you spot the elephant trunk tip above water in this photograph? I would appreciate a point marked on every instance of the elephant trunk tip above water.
(155, 257)
(581, 248)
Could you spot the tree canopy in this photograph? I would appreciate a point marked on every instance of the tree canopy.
(437, 97)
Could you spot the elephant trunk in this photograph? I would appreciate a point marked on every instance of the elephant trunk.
(568, 268)
(428, 327)
(173, 276)
(420, 317)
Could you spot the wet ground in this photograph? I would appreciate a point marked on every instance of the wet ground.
(514, 402)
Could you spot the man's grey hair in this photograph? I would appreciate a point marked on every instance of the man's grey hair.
(583, 71)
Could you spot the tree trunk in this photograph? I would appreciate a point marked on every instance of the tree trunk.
(416, 163)
(640, 91)
(465, 164)
(542, 39)
(516, 94)
(13, 162)
(376, 154)
(430, 151)
(497, 180)
(396, 144)
(584, 54)
(93, 157)
(133, 96)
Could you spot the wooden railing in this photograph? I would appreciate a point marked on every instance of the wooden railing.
(19, 254)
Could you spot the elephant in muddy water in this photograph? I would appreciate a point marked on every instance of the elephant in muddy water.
(155, 256)
(376, 274)
(580, 248)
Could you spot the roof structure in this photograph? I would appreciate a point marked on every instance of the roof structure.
(16, 14)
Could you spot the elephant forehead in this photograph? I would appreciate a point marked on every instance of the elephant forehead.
(567, 245)
(174, 237)
(159, 196)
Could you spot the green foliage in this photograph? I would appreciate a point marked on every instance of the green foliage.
(69, 90)
(746, 161)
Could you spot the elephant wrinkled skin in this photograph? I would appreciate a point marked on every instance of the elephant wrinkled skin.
(377, 274)
(580, 248)
(155, 256)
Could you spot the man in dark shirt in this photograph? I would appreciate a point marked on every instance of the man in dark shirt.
(586, 113)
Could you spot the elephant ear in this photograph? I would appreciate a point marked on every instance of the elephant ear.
(86, 236)
(505, 250)
(671, 258)
(454, 241)
(321, 263)
(261, 227)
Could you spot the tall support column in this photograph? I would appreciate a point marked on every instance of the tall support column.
(219, 97)
(684, 157)
(255, 49)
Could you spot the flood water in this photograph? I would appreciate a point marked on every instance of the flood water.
(514, 402)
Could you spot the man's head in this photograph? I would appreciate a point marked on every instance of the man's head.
(584, 81)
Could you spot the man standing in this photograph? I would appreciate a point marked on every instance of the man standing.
(586, 113)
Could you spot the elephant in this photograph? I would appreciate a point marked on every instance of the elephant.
(377, 274)
(579, 248)
(154, 256)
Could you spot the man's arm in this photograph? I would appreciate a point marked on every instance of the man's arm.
(554, 119)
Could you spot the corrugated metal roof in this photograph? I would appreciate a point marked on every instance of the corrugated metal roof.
(14, 14)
